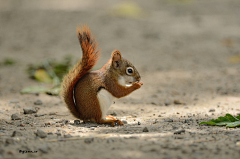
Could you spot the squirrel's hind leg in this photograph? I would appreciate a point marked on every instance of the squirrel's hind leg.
(111, 120)
(116, 120)
(110, 117)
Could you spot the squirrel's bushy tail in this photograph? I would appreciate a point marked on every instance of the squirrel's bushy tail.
(89, 59)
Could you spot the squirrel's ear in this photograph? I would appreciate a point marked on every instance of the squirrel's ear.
(116, 58)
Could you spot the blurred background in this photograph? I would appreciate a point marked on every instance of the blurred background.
(186, 51)
(185, 48)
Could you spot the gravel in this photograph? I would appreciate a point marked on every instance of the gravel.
(89, 140)
(67, 136)
(13, 101)
(178, 102)
(16, 133)
(29, 110)
(58, 133)
(9, 141)
(38, 102)
(212, 110)
(167, 102)
(113, 113)
(15, 117)
(44, 148)
(145, 129)
(175, 69)
(179, 131)
(41, 133)
(168, 120)
(38, 115)
(76, 122)
(124, 121)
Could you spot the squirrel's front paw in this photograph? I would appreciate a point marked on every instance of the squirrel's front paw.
(120, 122)
(138, 84)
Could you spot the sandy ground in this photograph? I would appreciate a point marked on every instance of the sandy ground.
(185, 50)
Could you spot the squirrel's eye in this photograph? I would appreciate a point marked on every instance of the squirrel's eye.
(129, 70)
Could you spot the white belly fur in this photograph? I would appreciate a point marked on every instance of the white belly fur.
(105, 100)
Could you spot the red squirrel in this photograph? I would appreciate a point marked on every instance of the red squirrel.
(89, 94)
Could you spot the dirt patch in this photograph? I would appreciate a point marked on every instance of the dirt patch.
(186, 51)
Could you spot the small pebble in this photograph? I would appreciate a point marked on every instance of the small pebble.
(76, 122)
(179, 131)
(159, 116)
(16, 133)
(52, 113)
(67, 136)
(64, 121)
(179, 137)
(139, 123)
(29, 110)
(38, 115)
(50, 133)
(168, 120)
(189, 114)
(174, 127)
(58, 133)
(9, 141)
(44, 148)
(110, 140)
(15, 117)
(38, 102)
(41, 133)
(145, 129)
(154, 103)
(177, 102)
(113, 113)
(13, 101)
(211, 110)
(196, 98)
(89, 140)
(124, 121)
(167, 102)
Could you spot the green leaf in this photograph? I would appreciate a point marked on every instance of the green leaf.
(54, 91)
(238, 117)
(42, 76)
(207, 122)
(34, 89)
(231, 118)
(233, 124)
(40, 89)
(50, 71)
(228, 120)
(9, 61)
